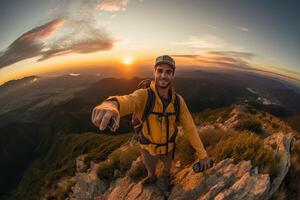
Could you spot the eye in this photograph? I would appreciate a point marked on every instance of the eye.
(159, 71)
(169, 72)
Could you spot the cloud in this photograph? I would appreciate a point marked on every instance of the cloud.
(112, 5)
(235, 54)
(43, 32)
(203, 42)
(243, 29)
(57, 37)
(78, 36)
(212, 26)
(232, 59)
(29, 44)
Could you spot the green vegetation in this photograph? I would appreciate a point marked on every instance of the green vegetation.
(185, 153)
(239, 145)
(211, 115)
(249, 122)
(120, 159)
(137, 172)
(60, 161)
(247, 146)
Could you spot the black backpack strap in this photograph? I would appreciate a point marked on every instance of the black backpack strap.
(149, 107)
(177, 107)
(149, 104)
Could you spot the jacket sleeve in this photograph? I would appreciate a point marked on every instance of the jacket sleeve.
(189, 128)
(130, 103)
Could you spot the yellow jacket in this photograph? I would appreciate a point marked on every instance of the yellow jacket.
(135, 103)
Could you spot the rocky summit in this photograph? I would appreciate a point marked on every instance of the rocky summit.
(230, 178)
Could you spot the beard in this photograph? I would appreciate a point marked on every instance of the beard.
(162, 85)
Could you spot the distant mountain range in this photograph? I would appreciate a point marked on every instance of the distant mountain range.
(36, 112)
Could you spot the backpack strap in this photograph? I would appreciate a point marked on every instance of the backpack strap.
(177, 107)
(148, 108)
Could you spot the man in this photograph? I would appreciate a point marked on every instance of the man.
(159, 128)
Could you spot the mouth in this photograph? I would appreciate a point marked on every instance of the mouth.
(163, 81)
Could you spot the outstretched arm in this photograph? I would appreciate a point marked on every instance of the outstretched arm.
(116, 107)
(189, 128)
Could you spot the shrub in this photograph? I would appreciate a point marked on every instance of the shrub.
(184, 151)
(126, 157)
(105, 170)
(120, 159)
(210, 137)
(250, 123)
(247, 146)
(137, 172)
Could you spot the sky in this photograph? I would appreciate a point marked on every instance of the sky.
(43, 36)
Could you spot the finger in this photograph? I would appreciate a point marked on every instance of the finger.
(105, 120)
(116, 122)
(99, 117)
(201, 167)
(94, 115)
(206, 165)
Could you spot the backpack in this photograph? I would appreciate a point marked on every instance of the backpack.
(138, 124)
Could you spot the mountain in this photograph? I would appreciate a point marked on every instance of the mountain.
(250, 163)
(54, 128)
(30, 98)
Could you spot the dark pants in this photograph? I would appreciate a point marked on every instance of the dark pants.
(151, 161)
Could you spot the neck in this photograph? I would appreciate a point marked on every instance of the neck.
(163, 92)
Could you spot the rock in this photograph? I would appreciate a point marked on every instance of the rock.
(127, 189)
(117, 173)
(282, 142)
(247, 188)
(87, 187)
(80, 165)
(217, 181)
(178, 164)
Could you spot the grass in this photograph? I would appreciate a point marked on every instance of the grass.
(120, 159)
(137, 172)
(211, 115)
(60, 161)
(249, 122)
(239, 145)
(246, 146)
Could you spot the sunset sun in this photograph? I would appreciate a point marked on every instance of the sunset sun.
(127, 60)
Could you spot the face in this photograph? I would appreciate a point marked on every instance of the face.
(163, 75)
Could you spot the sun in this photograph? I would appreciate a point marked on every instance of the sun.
(127, 60)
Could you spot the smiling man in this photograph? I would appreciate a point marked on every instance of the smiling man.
(159, 110)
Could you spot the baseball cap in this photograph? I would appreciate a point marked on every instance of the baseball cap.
(166, 60)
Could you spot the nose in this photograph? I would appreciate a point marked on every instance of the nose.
(163, 74)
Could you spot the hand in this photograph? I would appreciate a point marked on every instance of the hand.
(103, 114)
(203, 164)
(206, 163)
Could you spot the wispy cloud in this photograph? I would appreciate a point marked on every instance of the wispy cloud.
(245, 29)
(57, 37)
(212, 26)
(203, 42)
(112, 5)
(29, 44)
(232, 59)
(235, 54)
(78, 31)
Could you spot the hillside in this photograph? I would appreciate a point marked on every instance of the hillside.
(251, 148)
(60, 131)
